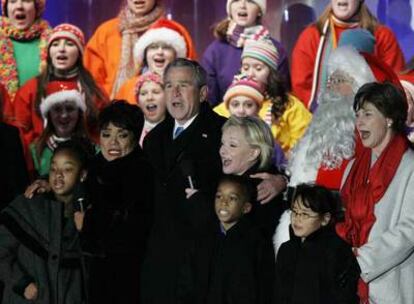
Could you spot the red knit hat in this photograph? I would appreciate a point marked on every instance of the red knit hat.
(164, 31)
(70, 32)
(59, 92)
(245, 86)
(39, 4)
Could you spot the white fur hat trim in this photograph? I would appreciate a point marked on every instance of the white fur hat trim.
(60, 97)
(348, 60)
(165, 35)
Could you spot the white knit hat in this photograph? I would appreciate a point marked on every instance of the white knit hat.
(260, 3)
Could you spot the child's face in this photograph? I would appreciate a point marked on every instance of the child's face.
(152, 101)
(65, 173)
(64, 117)
(255, 69)
(230, 204)
(244, 13)
(64, 54)
(243, 106)
(158, 56)
(305, 221)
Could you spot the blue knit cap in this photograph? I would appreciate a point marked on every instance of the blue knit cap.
(361, 39)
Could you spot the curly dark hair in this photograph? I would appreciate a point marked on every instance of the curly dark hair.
(277, 93)
(123, 115)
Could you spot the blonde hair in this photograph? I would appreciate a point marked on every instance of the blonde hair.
(257, 134)
(366, 19)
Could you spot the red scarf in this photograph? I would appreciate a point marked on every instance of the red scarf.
(363, 188)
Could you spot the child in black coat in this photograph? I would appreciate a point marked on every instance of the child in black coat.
(234, 263)
(315, 266)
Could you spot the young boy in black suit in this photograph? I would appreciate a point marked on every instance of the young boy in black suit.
(233, 263)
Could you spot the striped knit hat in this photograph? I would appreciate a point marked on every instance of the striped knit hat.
(263, 50)
(39, 4)
(260, 3)
(245, 86)
(70, 32)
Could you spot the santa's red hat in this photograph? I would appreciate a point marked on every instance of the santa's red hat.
(165, 31)
(59, 92)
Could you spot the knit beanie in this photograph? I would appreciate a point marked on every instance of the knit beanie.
(263, 50)
(59, 92)
(162, 31)
(39, 4)
(147, 77)
(361, 39)
(245, 86)
(70, 32)
(260, 3)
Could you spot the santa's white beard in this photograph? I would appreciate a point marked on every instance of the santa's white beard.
(328, 140)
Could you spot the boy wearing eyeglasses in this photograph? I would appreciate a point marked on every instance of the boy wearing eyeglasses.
(315, 266)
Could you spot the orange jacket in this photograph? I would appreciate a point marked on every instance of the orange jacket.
(103, 52)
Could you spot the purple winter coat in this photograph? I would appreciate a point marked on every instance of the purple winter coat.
(222, 61)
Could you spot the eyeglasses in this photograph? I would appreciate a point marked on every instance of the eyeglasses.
(339, 80)
(301, 215)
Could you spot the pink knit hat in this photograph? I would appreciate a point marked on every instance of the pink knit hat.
(70, 32)
(39, 4)
(147, 77)
(245, 86)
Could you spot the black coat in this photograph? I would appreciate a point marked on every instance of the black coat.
(13, 172)
(266, 216)
(225, 268)
(197, 147)
(320, 270)
(117, 227)
(38, 244)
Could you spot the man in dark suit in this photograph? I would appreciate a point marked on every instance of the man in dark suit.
(182, 146)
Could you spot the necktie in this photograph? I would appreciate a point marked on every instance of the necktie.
(178, 131)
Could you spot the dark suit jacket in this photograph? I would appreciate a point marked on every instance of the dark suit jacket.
(13, 172)
(236, 267)
(199, 146)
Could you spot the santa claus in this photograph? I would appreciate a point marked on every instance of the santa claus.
(322, 154)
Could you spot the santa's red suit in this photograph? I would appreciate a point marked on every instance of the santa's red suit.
(303, 168)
